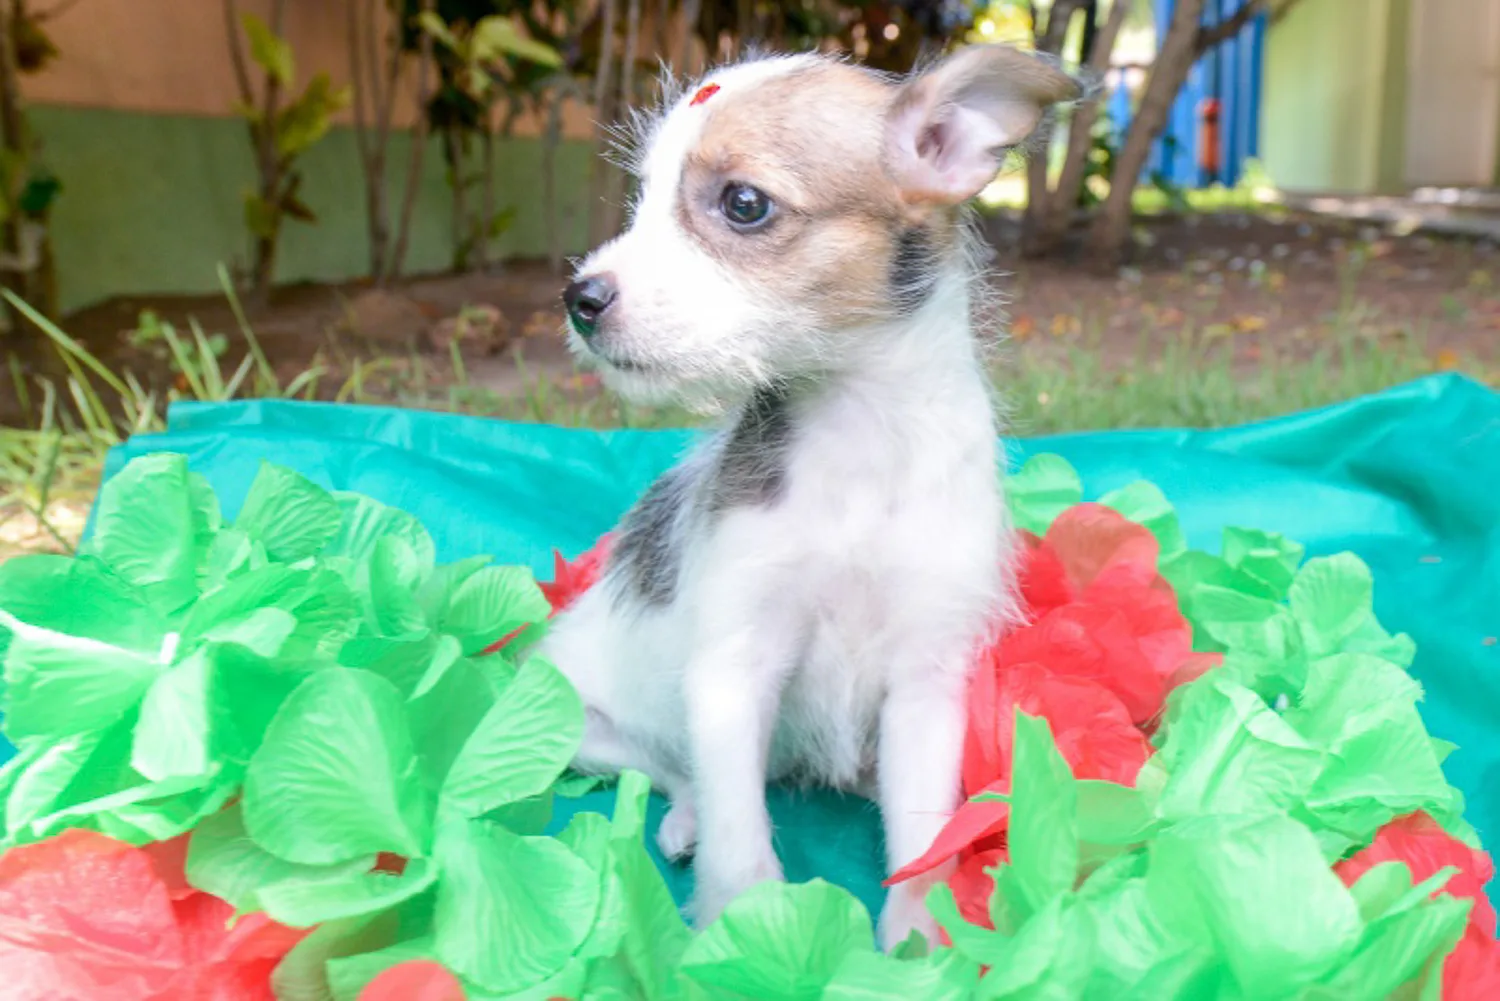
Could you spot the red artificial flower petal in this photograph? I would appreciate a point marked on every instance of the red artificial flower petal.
(1090, 725)
(1088, 538)
(1472, 970)
(971, 822)
(983, 762)
(571, 579)
(169, 858)
(416, 980)
(1425, 847)
(1042, 577)
(84, 916)
(1094, 642)
(973, 887)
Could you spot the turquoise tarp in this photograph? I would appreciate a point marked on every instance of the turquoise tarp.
(1408, 479)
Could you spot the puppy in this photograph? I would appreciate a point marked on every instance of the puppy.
(801, 597)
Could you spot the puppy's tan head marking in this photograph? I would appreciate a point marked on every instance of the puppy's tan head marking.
(786, 201)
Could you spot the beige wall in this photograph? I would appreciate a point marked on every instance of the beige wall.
(1453, 92)
(171, 57)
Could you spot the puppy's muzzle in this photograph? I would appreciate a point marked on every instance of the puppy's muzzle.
(587, 300)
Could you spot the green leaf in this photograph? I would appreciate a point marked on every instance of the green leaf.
(223, 860)
(982, 945)
(511, 910)
(1330, 598)
(1246, 623)
(262, 219)
(1043, 836)
(1047, 958)
(1258, 890)
(490, 604)
(1043, 488)
(336, 776)
(497, 36)
(270, 53)
(521, 745)
(1145, 504)
(780, 941)
(307, 120)
(289, 514)
(58, 685)
(146, 528)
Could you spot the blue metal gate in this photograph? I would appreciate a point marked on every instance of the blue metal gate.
(1229, 76)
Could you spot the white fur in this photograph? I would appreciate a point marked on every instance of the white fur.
(828, 635)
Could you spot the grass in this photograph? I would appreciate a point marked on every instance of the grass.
(49, 473)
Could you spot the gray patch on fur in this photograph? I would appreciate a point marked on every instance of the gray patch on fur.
(914, 269)
(751, 466)
(649, 553)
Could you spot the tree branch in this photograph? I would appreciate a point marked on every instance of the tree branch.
(1211, 35)
(237, 52)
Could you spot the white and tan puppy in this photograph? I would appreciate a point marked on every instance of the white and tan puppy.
(802, 596)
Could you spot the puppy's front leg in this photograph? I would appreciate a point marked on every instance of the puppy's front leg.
(733, 690)
(920, 762)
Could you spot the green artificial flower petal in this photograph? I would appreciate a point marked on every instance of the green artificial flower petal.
(779, 942)
(511, 910)
(1043, 835)
(173, 737)
(289, 514)
(304, 903)
(336, 776)
(1268, 557)
(224, 860)
(490, 604)
(1043, 488)
(521, 745)
(1258, 891)
(1226, 752)
(365, 521)
(147, 529)
(870, 976)
(1331, 597)
(57, 685)
(1144, 503)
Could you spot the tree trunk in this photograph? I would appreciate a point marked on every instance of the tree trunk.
(599, 168)
(463, 239)
(486, 193)
(397, 262)
(1049, 41)
(551, 139)
(1169, 71)
(616, 181)
(13, 140)
(1059, 204)
(369, 101)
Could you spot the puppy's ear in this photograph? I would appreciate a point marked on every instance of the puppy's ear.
(950, 127)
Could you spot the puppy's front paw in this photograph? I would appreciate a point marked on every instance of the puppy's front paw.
(905, 911)
(678, 834)
(717, 885)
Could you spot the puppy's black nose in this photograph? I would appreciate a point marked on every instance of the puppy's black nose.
(587, 299)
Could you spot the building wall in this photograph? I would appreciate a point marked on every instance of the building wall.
(1453, 98)
(1323, 119)
(134, 118)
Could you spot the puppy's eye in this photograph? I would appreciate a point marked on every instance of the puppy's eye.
(745, 207)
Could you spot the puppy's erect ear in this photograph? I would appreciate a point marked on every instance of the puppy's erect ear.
(950, 127)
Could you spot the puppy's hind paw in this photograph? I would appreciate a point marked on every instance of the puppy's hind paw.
(905, 912)
(678, 834)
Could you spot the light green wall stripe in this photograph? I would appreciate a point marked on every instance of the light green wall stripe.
(152, 203)
(1324, 100)
(1391, 158)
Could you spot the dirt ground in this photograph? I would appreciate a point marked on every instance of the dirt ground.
(1284, 281)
